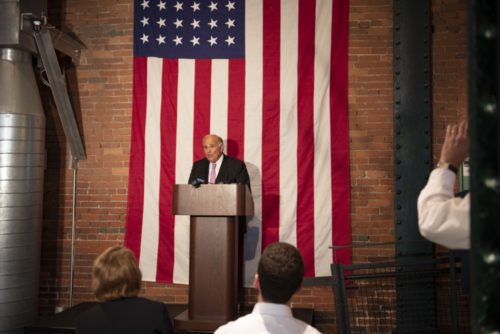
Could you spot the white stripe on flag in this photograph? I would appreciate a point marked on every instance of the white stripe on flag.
(184, 161)
(219, 98)
(288, 121)
(152, 155)
(322, 160)
(253, 132)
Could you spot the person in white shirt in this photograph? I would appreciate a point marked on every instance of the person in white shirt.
(279, 275)
(442, 217)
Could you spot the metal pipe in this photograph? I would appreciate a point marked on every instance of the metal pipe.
(73, 232)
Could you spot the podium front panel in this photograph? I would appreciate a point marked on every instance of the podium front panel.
(215, 212)
(213, 267)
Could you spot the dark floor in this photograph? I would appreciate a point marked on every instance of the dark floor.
(65, 322)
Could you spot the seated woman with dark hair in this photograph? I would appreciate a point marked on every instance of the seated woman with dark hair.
(116, 281)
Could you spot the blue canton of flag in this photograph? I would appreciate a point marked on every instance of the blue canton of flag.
(189, 29)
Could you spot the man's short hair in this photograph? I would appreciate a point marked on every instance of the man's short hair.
(220, 141)
(116, 274)
(280, 270)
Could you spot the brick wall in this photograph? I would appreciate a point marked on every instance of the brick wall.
(101, 91)
(370, 123)
(449, 66)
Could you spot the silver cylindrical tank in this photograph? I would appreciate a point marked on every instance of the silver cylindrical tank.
(22, 162)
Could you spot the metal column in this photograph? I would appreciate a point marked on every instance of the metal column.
(484, 125)
(412, 142)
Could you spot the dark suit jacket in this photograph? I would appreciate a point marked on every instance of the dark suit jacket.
(126, 315)
(231, 171)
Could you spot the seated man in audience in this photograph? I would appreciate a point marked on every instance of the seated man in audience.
(279, 276)
(116, 281)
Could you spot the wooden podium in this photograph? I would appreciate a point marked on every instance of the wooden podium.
(215, 210)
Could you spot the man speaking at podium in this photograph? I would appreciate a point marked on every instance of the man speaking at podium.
(217, 167)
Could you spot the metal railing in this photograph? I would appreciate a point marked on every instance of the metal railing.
(367, 297)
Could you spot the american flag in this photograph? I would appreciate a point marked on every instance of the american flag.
(268, 76)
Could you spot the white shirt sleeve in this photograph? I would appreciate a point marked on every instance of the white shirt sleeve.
(442, 217)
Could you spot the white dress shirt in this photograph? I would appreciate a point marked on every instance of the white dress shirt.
(442, 217)
(267, 318)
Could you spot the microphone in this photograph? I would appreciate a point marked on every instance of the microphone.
(196, 182)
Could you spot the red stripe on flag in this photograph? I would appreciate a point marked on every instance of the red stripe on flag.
(135, 206)
(271, 123)
(165, 263)
(305, 147)
(341, 229)
(236, 109)
(202, 91)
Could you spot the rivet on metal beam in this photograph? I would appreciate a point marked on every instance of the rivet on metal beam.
(491, 183)
(489, 107)
(489, 33)
(491, 258)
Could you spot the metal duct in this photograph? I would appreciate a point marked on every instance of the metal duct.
(22, 161)
(24, 34)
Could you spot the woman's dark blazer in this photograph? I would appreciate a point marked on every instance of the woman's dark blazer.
(126, 316)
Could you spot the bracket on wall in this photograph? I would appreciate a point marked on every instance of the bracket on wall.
(57, 83)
